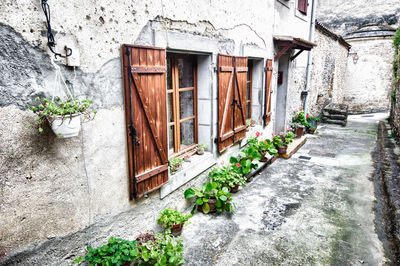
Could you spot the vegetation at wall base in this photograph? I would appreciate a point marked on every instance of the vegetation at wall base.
(169, 217)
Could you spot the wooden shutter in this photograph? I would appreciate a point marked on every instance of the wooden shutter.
(144, 77)
(240, 98)
(302, 6)
(232, 78)
(268, 92)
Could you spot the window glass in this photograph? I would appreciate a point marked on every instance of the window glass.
(169, 74)
(186, 103)
(185, 70)
(171, 140)
(187, 133)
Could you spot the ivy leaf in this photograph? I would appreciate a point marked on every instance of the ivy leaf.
(209, 186)
(199, 201)
(189, 193)
(223, 198)
(233, 160)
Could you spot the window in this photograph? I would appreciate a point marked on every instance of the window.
(302, 6)
(249, 89)
(181, 102)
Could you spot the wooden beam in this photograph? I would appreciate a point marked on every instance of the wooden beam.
(281, 52)
(296, 55)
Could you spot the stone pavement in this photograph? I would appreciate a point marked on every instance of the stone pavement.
(311, 210)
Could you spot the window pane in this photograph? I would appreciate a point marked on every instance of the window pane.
(187, 133)
(170, 107)
(171, 140)
(169, 74)
(185, 70)
(186, 104)
(248, 91)
(248, 106)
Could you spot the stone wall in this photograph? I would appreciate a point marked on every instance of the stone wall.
(344, 16)
(59, 195)
(369, 81)
(329, 65)
(395, 94)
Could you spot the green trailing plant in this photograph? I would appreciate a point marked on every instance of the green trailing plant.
(61, 108)
(299, 118)
(117, 251)
(169, 217)
(164, 250)
(201, 147)
(175, 164)
(211, 190)
(226, 175)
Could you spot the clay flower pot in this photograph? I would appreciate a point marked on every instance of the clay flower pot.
(177, 228)
(234, 189)
(299, 131)
(311, 130)
(200, 151)
(282, 150)
(213, 206)
(264, 158)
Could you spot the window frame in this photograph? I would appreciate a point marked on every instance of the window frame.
(176, 90)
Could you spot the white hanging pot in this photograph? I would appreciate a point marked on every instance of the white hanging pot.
(67, 126)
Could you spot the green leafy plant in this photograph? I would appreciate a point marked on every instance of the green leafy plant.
(165, 250)
(64, 108)
(312, 118)
(175, 164)
(226, 175)
(299, 118)
(117, 251)
(169, 217)
(201, 147)
(262, 146)
(211, 190)
(246, 160)
(287, 138)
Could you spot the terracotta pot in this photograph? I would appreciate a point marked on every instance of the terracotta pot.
(299, 131)
(282, 150)
(213, 206)
(234, 189)
(263, 159)
(200, 151)
(177, 228)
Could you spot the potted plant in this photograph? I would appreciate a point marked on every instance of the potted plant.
(212, 197)
(250, 122)
(64, 116)
(282, 141)
(165, 250)
(173, 220)
(313, 123)
(299, 122)
(175, 164)
(227, 176)
(246, 161)
(262, 146)
(200, 148)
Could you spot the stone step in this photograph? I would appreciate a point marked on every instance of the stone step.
(335, 111)
(335, 116)
(337, 122)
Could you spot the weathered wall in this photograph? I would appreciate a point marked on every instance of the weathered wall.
(368, 82)
(344, 16)
(58, 195)
(329, 65)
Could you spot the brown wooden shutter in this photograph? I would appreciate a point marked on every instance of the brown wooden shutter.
(268, 92)
(240, 97)
(144, 80)
(232, 81)
(302, 6)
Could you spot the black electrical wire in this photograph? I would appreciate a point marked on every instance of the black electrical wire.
(50, 37)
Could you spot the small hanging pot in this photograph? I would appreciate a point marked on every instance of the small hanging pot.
(67, 126)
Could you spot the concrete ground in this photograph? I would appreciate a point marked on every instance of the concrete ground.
(316, 210)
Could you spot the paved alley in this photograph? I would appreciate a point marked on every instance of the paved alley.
(313, 209)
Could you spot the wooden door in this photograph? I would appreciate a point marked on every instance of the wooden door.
(144, 77)
(232, 85)
(268, 92)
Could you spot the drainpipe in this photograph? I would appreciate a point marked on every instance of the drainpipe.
(309, 59)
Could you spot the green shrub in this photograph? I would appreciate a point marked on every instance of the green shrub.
(226, 175)
(168, 217)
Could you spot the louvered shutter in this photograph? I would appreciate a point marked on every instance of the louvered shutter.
(144, 80)
(268, 92)
(232, 81)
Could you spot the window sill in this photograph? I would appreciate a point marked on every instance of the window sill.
(198, 164)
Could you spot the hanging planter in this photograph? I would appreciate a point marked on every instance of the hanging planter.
(64, 117)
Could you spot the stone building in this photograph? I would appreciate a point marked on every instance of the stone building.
(329, 68)
(58, 195)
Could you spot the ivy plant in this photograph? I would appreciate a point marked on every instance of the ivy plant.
(211, 190)
(60, 108)
(169, 217)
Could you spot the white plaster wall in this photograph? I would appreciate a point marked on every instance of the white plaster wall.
(369, 82)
